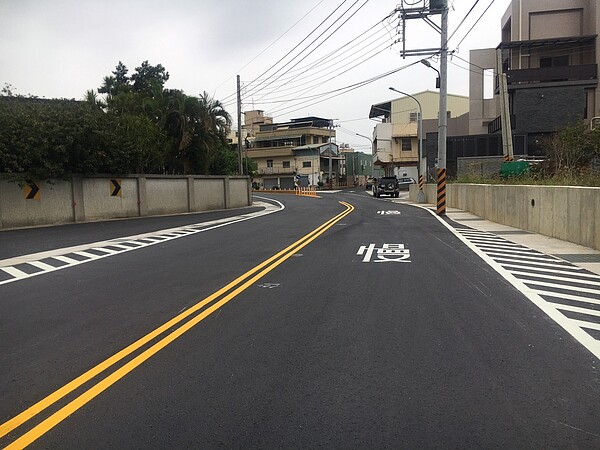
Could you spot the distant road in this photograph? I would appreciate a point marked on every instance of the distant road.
(336, 322)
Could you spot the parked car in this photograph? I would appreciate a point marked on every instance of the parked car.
(369, 184)
(386, 186)
(405, 182)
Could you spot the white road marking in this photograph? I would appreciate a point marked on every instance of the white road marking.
(555, 278)
(575, 328)
(153, 238)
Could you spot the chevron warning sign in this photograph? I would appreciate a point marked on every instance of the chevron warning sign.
(31, 190)
(115, 188)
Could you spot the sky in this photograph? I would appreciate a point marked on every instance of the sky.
(295, 58)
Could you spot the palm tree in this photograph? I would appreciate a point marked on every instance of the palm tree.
(91, 98)
(214, 125)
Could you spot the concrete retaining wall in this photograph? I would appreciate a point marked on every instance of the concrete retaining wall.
(569, 213)
(87, 199)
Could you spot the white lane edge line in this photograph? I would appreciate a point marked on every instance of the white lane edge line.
(580, 335)
(20, 275)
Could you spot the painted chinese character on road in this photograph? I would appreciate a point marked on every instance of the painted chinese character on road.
(387, 253)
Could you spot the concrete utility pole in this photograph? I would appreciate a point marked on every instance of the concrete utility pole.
(507, 147)
(239, 127)
(331, 153)
(443, 119)
(433, 7)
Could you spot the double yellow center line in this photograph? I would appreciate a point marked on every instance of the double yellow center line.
(223, 295)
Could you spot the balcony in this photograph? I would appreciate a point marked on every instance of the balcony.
(580, 73)
(496, 125)
(276, 170)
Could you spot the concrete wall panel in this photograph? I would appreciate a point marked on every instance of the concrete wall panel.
(239, 191)
(166, 195)
(561, 210)
(547, 211)
(53, 206)
(209, 193)
(99, 204)
(534, 208)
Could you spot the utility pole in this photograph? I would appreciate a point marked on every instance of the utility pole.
(443, 119)
(431, 8)
(239, 120)
(507, 147)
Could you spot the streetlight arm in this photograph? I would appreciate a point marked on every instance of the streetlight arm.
(366, 137)
(419, 129)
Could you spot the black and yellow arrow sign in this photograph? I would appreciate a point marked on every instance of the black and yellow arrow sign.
(31, 190)
(115, 188)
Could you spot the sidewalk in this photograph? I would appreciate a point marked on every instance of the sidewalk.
(577, 255)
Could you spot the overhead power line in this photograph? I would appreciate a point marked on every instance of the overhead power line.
(335, 30)
(271, 44)
(299, 44)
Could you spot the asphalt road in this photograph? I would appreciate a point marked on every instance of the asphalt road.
(363, 324)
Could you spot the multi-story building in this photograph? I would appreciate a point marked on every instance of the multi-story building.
(358, 167)
(549, 53)
(396, 139)
(284, 152)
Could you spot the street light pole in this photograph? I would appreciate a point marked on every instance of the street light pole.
(367, 137)
(422, 169)
(331, 153)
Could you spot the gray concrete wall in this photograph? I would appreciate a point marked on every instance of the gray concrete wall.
(54, 205)
(240, 193)
(99, 204)
(85, 199)
(569, 213)
(210, 194)
(167, 195)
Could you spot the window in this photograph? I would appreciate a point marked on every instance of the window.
(315, 139)
(306, 164)
(554, 61)
(585, 108)
(286, 164)
(488, 84)
(414, 116)
(406, 145)
(269, 163)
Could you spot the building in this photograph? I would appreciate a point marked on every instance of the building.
(549, 53)
(396, 139)
(358, 167)
(301, 148)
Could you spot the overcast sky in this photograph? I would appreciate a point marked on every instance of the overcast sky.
(61, 48)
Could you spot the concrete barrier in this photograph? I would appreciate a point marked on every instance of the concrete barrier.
(98, 198)
(569, 213)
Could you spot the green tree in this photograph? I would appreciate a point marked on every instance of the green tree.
(214, 124)
(149, 79)
(572, 147)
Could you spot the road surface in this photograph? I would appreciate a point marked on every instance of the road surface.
(336, 322)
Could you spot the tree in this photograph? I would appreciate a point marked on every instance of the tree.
(214, 125)
(572, 147)
(148, 79)
(91, 98)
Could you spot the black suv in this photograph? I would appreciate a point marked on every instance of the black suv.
(387, 186)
